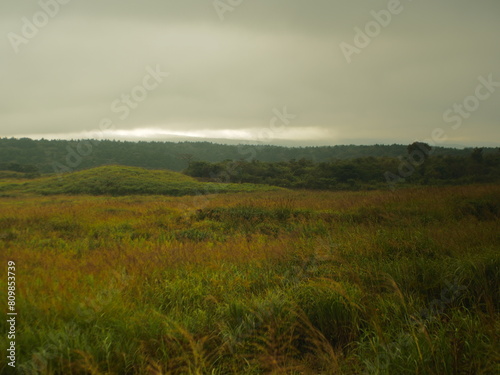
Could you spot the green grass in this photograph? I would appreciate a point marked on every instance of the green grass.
(121, 180)
(280, 282)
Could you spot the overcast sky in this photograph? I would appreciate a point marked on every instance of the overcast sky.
(267, 71)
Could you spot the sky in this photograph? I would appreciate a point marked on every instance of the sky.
(289, 72)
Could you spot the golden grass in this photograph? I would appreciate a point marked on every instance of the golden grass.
(324, 284)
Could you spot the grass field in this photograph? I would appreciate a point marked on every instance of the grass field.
(277, 282)
(118, 181)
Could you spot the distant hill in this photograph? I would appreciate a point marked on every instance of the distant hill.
(119, 180)
(49, 156)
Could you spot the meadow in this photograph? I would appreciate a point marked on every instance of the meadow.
(117, 180)
(253, 282)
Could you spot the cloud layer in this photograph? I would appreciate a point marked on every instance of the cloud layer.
(231, 66)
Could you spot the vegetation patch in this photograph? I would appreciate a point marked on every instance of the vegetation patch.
(281, 282)
(121, 181)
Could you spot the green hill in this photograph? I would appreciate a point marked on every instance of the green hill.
(120, 180)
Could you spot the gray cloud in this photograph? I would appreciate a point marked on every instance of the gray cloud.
(229, 76)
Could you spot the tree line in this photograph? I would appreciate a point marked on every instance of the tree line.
(50, 156)
(321, 167)
(358, 173)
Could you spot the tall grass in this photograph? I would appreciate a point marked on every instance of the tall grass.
(277, 282)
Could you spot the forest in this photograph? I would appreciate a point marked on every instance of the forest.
(355, 174)
(341, 167)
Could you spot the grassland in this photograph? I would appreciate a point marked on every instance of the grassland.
(281, 282)
(118, 181)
